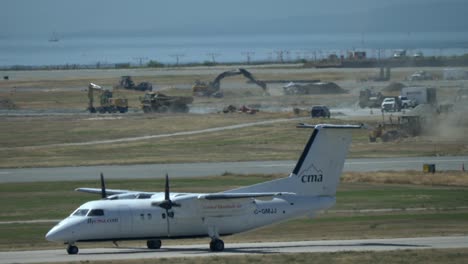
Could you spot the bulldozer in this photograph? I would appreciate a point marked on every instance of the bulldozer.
(127, 82)
(369, 98)
(213, 89)
(156, 102)
(406, 126)
(108, 104)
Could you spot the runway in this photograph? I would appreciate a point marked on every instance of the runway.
(183, 170)
(187, 251)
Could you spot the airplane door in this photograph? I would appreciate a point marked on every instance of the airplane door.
(167, 217)
(126, 221)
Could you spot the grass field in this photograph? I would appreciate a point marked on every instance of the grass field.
(445, 212)
(26, 142)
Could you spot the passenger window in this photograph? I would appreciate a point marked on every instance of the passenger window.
(96, 212)
(80, 212)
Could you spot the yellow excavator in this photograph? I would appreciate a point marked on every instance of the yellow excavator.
(213, 89)
(108, 104)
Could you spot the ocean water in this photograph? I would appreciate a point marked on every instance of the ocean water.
(70, 49)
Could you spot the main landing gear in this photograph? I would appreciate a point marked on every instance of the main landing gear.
(153, 244)
(72, 249)
(216, 245)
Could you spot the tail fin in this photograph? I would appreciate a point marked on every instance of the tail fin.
(318, 170)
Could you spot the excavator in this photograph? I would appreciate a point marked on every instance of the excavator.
(107, 102)
(212, 89)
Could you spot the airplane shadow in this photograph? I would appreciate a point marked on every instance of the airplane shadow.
(253, 250)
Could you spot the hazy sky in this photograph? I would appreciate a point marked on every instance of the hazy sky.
(38, 17)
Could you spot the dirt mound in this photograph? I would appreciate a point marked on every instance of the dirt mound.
(6, 103)
(394, 87)
(314, 88)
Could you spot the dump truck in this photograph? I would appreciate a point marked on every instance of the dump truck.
(156, 102)
(107, 103)
(213, 89)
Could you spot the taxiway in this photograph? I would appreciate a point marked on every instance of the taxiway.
(184, 170)
(187, 251)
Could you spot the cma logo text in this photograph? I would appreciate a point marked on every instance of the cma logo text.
(312, 178)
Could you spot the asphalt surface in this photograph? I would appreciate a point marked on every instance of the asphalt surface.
(188, 251)
(183, 170)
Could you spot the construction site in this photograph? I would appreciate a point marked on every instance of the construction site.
(214, 128)
(396, 95)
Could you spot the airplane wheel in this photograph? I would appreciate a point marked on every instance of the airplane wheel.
(216, 245)
(72, 250)
(153, 244)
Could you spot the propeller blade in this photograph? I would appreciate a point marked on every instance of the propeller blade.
(167, 203)
(103, 187)
(166, 190)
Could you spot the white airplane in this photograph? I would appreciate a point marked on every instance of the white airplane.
(152, 216)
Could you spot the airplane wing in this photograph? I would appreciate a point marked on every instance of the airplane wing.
(226, 196)
(108, 191)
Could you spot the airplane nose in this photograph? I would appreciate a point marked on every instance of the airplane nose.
(58, 234)
(52, 235)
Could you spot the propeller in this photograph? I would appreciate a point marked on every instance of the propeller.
(103, 187)
(167, 204)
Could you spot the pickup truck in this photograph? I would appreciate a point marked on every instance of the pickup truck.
(406, 102)
(389, 104)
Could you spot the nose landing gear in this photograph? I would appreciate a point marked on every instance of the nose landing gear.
(72, 249)
(216, 245)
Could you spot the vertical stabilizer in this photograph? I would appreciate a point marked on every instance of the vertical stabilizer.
(318, 170)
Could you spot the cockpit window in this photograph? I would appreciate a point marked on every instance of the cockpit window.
(96, 212)
(80, 212)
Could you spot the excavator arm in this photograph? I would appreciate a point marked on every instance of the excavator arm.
(215, 85)
(249, 76)
(212, 89)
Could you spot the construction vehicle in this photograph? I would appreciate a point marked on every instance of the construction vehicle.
(127, 82)
(406, 126)
(243, 109)
(156, 102)
(108, 104)
(213, 89)
(369, 98)
(421, 95)
(420, 76)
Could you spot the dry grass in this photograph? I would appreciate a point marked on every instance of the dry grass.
(454, 178)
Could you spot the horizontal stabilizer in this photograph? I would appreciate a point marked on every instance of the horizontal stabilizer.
(224, 196)
(98, 191)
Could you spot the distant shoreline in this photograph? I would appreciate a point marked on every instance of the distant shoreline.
(432, 61)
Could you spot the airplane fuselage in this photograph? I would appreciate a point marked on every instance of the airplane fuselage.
(139, 219)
